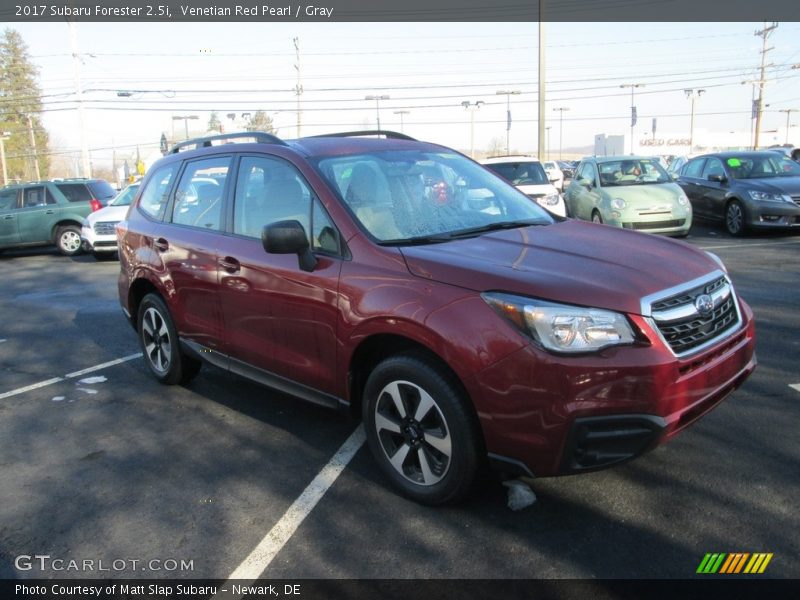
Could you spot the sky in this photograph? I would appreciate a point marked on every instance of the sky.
(427, 69)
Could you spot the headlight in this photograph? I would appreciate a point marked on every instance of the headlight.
(551, 199)
(562, 328)
(618, 203)
(767, 197)
(683, 200)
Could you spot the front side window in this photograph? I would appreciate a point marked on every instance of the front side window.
(713, 168)
(425, 197)
(153, 201)
(8, 199)
(199, 197)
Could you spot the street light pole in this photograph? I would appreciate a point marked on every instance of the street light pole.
(472, 107)
(377, 106)
(788, 112)
(401, 113)
(508, 94)
(633, 86)
(560, 110)
(185, 119)
(692, 94)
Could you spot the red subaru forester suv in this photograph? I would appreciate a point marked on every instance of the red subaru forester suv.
(401, 280)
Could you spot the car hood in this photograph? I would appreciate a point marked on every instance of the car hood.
(647, 195)
(109, 213)
(771, 185)
(572, 262)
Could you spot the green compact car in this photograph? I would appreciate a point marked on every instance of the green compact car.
(632, 192)
(49, 212)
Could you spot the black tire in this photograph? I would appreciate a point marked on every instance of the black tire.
(597, 217)
(412, 406)
(735, 218)
(158, 339)
(104, 256)
(68, 240)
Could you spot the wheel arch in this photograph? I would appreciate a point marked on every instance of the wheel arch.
(62, 223)
(140, 287)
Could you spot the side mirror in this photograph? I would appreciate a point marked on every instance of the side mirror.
(718, 178)
(587, 183)
(553, 179)
(289, 237)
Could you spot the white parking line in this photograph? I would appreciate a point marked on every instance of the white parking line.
(47, 382)
(744, 245)
(795, 386)
(271, 544)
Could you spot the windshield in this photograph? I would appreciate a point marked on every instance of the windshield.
(521, 173)
(421, 197)
(632, 171)
(125, 197)
(760, 167)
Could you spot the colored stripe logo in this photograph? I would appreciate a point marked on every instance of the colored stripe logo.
(734, 563)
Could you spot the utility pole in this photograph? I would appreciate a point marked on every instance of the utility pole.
(508, 94)
(401, 113)
(3, 137)
(33, 147)
(377, 99)
(76, 66)
(633, 86)
(788, 112)
(763, 34)
(692, 94)
(298, 88)
(541, 92)
(547, 147)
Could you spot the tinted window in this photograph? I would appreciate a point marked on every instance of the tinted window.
(153, 201)
(269, 190)
(102, 190)
(762, 166)
(693, 168)
(199, 198)
(8, 199)
(75, 192)
(36, 196)
(713, 167)
(521, 173)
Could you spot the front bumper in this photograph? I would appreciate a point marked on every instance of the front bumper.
(560, 415)
(92, 242)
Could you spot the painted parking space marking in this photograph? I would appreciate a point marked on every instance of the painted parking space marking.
(266, 550)
(45, 383)
(745, 245)
(795, 386)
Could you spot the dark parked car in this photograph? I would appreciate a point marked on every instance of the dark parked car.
(744, 189)
(49, 212)
(404, 282)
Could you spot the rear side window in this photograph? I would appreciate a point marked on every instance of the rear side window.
(75, 192)
(102, 190)
(153, 201)
(199, 198)
(693, 168)
(8, 199)
(36, 196)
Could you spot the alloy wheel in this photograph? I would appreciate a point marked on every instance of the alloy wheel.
(156, 340)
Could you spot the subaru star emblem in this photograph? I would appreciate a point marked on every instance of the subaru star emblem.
(704, 305)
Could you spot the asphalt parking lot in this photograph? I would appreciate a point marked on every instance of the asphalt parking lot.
(99, 462)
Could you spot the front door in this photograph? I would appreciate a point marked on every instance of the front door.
(278, 318)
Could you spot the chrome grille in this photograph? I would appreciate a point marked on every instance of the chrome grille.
(796, 200)
(105, 227)
(684, 328)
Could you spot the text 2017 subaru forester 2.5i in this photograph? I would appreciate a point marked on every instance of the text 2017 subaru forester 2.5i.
(405, 282)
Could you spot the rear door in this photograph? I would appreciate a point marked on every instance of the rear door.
(9, 232)
(37, 215)
(278, 318)
(188, 247)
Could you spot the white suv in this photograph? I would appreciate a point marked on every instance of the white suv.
(97, 230)
(528, 175)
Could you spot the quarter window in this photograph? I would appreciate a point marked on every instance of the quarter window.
(199, 198)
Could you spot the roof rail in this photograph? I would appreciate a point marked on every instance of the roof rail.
(260, 137)
(387, 134)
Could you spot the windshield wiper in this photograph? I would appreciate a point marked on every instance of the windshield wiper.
(461, 233)
(417, 241)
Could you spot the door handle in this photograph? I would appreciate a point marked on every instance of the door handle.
(8, 217)
(161, 245)
(230, 264)
(49, 212)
